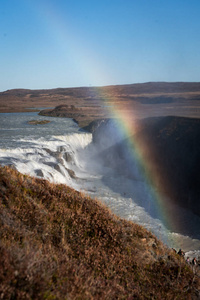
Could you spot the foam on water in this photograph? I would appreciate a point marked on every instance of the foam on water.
(61, 153)
(128, 199)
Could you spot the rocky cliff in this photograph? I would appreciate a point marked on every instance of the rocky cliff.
(171, 147)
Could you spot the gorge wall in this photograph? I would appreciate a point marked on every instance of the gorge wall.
(172, 150)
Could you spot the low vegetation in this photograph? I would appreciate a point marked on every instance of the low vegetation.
(38, 122)
(57, 243)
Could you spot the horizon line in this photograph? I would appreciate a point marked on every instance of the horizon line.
(100, 86)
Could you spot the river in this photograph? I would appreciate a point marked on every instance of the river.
(60, 152)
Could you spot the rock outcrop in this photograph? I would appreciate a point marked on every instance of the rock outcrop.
(171, 148)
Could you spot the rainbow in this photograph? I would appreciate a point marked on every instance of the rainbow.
(127, 126)
(89, 67)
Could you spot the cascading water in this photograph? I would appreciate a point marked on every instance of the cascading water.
(61, 153)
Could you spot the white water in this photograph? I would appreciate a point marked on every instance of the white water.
(59, 152)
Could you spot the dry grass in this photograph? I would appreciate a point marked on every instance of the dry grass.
(56, 243)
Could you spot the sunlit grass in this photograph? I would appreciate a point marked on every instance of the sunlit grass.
(57, 243)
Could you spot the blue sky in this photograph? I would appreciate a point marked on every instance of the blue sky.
(61, 43)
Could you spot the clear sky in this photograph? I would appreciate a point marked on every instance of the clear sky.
(68, 43)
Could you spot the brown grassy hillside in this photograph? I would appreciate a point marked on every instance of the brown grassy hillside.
(56, 243)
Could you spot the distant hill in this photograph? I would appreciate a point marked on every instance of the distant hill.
(136, 88)
(144, 99)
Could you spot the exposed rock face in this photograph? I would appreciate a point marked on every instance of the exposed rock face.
(94, 125)
(63, 111)
(174, 149)
(171, 147)
(82, 115)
